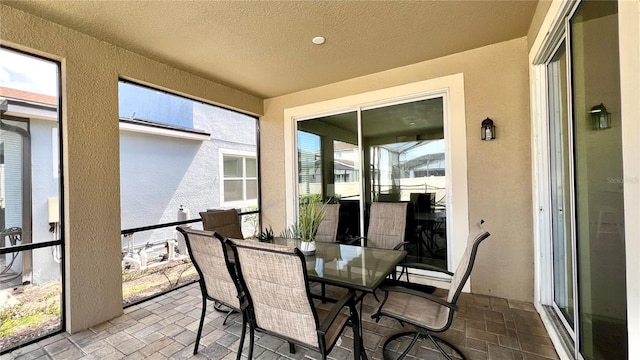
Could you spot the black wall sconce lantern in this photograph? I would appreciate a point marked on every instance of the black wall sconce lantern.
(600, 117)
(487, 130)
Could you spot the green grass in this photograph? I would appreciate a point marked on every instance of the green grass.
(138, 284)
(16, 318)
(136, 289)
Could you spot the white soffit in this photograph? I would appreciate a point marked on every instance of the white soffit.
(152, 130)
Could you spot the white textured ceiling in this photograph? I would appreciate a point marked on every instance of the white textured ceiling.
(264, 47)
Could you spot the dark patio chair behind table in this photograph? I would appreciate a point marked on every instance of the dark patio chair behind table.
(224, 222)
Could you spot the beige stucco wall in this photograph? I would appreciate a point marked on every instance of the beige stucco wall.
(542, 8)
(90, 71)
(499, 172)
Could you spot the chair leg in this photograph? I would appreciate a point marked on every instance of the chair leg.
(323, 293)
(244, 330)
(251, 340)
(292, 348)
(219, 307)
(404, 271)
(416, 336)
(411, 344)
(435, 340)
(358, 350)
(360, 322)
(224, 322)
(204, 312)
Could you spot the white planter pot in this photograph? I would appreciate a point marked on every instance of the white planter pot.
(308, 247)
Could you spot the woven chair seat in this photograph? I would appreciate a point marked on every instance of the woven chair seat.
(336, 328)
(426, 312)
(416, 311)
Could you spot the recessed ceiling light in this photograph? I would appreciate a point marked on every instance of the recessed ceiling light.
(318, 40)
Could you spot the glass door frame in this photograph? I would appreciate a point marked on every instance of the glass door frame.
(565, 40)
(451, 89)
(541, 151)
(560, 32)
(540, 47)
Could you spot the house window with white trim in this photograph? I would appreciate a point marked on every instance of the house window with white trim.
(240, 178)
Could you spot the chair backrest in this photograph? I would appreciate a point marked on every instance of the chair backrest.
(209, 256)
(387, 224)
(274, 279)
(349, 224)
(328, 228)
(422, 202)
(224, 222)
(477, 234)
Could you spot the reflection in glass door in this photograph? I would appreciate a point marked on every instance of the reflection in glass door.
(15, 201)
(309, 164)
(586, 183)
(329, 167)
(599, 210)
(561, 200)
(404, 146)
(386, 153)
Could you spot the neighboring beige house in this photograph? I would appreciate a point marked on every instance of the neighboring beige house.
(555, 174)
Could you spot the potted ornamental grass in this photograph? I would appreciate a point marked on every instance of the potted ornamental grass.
(311, 215)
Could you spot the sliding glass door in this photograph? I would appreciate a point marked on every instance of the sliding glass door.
(561, 194)
(385, 153)
(586, 183)
(404, 146)
(598, 181)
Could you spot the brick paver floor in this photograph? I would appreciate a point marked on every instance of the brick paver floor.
(165, 328)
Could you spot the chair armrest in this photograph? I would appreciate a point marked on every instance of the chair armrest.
(401, 245)
(244, 304)
(326, 323)
(353, 240)
(428, 289)
(421, 294)
(427, 267)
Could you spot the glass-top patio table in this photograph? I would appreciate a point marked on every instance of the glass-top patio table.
(349, 266)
